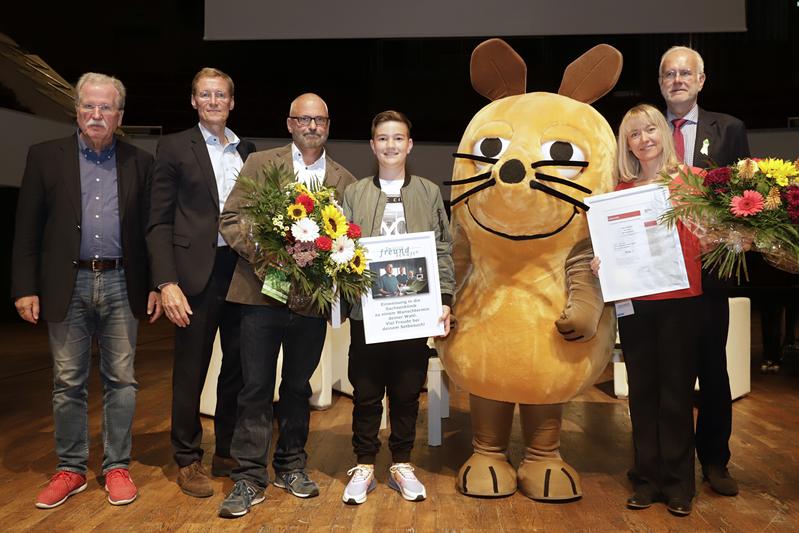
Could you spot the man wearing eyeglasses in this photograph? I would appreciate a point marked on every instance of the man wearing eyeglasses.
(192, 265)
(266, 324)
(79, 263)
(702, 139)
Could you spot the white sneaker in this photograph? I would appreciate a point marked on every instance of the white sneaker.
(361, 483)
(402, 479)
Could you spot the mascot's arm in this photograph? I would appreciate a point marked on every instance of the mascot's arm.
(584, 305)
(461, 255)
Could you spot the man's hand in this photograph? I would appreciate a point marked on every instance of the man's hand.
(28, 308)
(154, 309)
(176, 307)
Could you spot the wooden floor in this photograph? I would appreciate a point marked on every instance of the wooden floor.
(596, 441)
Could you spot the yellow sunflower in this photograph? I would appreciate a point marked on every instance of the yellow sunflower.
(334, 221)
(297, 211)
(302, 189)
(358, 262)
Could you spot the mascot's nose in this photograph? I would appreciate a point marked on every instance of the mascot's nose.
(512, 171)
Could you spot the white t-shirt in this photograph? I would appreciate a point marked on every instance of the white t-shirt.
(393, 222)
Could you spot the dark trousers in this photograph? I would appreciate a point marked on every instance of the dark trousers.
(263, 329)
(660, 343)
(714, 420)
(395, 368)
(193, 347)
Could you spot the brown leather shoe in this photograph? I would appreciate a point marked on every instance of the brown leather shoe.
(222, 466)
(194, 481)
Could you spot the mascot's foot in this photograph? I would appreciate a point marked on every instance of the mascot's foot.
(486, 476)
(549, 480)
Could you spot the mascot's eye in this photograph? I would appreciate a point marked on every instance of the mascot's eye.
(563, 151)
(490, 147)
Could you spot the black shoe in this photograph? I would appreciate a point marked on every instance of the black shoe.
(720, 480)
(679, 506)
(639, 500)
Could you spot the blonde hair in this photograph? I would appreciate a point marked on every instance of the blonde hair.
(629, 167)
(210, 72)
(101, 79)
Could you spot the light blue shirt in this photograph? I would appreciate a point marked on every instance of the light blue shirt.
(226, 162)
(688, 131)
(100, 236)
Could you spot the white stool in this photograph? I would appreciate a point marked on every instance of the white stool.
(321, 381)
(738, 354)
(437, 400)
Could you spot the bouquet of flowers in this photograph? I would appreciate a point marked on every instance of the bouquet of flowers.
(306, 251)
(750, 205)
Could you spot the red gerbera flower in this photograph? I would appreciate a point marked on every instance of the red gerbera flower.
(354, 230)
(750, 203)
(306, 201)
(324, 243)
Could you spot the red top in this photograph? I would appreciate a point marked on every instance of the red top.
(691, 253)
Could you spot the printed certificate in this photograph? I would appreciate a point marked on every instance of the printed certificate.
(405, 300)
(639, 254)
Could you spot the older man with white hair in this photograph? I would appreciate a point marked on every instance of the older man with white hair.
(80, 263)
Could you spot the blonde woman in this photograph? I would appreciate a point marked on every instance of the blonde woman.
(660, 340)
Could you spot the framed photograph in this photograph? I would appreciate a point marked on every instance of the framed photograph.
(639, 254)
(405, 300)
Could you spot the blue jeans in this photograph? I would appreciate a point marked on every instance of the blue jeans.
(99, 310)
(264, 328)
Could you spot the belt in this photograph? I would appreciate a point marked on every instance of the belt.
(98, 265)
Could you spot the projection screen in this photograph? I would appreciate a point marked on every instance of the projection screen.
(353, 19)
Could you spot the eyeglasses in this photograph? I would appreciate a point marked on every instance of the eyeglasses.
(207, 95)
(104, 109)
(305, 120)
(671, 75)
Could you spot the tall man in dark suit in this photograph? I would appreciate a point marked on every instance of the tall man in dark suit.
(704, 138)
(192, 265)
(79, 262)
(266, 324)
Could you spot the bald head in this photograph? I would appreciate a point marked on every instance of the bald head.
(305, 100)
(309, 123)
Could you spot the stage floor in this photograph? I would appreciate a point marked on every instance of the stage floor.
(596, 441)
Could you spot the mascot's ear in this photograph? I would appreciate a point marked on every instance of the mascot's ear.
(497, 70)
(592, 75)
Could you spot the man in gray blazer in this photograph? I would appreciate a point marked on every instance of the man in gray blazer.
(192, 267)
(266, 324)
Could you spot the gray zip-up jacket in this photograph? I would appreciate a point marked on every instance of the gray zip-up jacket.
(364, 203)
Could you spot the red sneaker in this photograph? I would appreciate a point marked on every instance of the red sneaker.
(61, 486)
(120, 487)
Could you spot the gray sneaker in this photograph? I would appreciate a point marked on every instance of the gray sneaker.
(244, 495)
(298, 483)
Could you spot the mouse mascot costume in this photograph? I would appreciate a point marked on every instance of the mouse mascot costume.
(531, 326)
